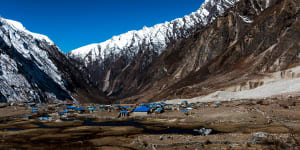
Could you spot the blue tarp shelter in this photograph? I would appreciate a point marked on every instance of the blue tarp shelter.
(71, 107)
(79, 108)
(159, 110)
(31, 104)
(142, 109)
(185, 111)
(45, 118)
(34, 110)
(126, 107)
(124, 112)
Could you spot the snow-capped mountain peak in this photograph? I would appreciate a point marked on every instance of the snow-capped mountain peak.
(15, 24)
(27, 70)
(19, 27)
(154, 38)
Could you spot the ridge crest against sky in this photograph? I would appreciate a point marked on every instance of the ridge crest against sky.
(75, 23)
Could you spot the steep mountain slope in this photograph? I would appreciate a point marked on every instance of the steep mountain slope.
(250, 45)
(241, 50)
(113, 62)
(33, 68)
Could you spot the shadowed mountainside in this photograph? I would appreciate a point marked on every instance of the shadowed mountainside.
(248, 41)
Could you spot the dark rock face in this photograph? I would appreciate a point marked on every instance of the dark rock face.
(252, 38)
(114, 68)
(232, 50)
(2, 98)
(77, 78)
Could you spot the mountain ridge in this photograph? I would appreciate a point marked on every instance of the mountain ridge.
(110, 62)
(33, 68)
(155, 38)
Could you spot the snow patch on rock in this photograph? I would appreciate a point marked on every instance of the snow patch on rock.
(245, 19)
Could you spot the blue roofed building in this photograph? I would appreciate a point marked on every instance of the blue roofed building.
(141, 111)
(31, 104)
(123, 113)
(71, 107)
(159, 110)
(125, 107)
(92, 109)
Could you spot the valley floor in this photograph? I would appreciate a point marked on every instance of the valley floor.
(241, 124)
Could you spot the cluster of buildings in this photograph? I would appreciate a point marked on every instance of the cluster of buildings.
(66, 110)
(145, 109)
(59, 110)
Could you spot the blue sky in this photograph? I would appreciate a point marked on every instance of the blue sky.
(75, 23)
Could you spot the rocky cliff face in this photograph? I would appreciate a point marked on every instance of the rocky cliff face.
(33, 68)
(225, 47)
(114, 63)
(248, 41)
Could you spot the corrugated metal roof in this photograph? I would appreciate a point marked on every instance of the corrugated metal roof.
(124, 112)
(141, 109)
(185, 111)
(79, 108)
(71, 107)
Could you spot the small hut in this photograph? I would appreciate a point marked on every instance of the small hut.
(159, 110)
(185, 111)
(141, 111)
(123, 113)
